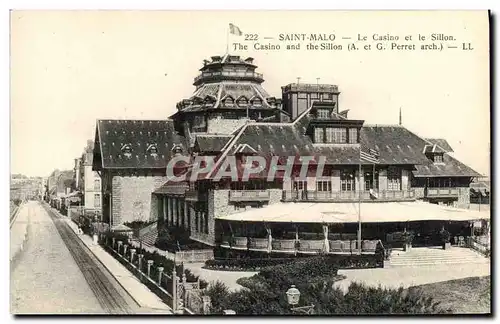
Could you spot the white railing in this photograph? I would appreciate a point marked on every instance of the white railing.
(339, 196)
(248, 195)
(193, 256)
(439, 192)
(230, 74)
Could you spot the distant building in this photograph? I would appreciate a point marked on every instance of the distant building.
(89, 181)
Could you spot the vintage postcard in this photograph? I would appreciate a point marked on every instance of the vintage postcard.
(250, 162)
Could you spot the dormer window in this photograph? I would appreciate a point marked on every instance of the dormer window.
(152, 149)
(257, 102)
(127, 150)
(228, 102)
(323, 114)
(177, 149)
(438, 158)
(243, 102)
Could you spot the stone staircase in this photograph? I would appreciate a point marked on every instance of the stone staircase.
(150, 235)
(430, 256)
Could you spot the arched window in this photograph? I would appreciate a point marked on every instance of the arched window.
(242, 101)
(228, 101)
(127, 150)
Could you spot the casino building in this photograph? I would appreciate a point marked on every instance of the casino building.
(395, 173)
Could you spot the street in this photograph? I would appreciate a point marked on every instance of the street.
(55, 273)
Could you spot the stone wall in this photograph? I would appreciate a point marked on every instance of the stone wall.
(419, 192)
(463, 197)
(382, 179)
(132, 198)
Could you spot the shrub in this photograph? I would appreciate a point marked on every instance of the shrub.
(218, 293)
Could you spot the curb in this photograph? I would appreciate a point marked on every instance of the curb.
(25, 235)
(110, 272)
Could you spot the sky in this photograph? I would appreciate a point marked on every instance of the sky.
(69, 68)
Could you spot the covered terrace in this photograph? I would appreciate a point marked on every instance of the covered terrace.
(332, 227)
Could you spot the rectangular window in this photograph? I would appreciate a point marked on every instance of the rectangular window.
(97, 184)
(393, 178)
(323, 114)
(438, 158)
(300, 185)
(318, 135)
(302, 105)
(205, 216)
(347, 180)
(323, 186)
(353, 135)
(327, 96)
(97, 200)
(330, 136)
(314, 96)
(339, 135)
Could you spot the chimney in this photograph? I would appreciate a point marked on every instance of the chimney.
(400, 118)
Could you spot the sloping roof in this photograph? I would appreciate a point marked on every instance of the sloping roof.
(481, 185)
(450, 167)
(442, 143)
(112, 135)
(211, 143)
(395, 144)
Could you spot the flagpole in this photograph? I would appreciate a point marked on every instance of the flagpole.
(359, 204)
(227, 41)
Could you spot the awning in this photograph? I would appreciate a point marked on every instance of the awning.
(332, 213)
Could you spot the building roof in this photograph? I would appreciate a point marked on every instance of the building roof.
(450, 167)
(442, 143)
(211, 143)
(141, 137)
(331, 213)
(395, 144)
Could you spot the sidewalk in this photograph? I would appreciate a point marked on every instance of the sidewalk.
(147, 300)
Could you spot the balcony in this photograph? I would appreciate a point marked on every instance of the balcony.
(442, 193)
(229, 74)
(248, 195)
(349, 196)
(195, 195)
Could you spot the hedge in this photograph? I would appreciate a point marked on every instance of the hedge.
(341, 261)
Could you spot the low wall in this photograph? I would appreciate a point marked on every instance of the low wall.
(19, 229)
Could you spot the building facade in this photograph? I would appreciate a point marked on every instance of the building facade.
(231, 115)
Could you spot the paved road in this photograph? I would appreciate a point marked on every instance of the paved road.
(56, 274)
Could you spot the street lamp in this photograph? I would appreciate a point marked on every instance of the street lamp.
(293, 297)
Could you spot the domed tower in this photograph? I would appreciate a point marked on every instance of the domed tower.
(228, 94)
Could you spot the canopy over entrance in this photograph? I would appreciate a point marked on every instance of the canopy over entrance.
(331, 213)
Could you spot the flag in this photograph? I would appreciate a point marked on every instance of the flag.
(371, 156)
(235, 30)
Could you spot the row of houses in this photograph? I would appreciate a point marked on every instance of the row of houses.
(79, 187)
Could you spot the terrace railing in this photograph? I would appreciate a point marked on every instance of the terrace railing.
(235, 74)
(248, 195)
(442, 192)
(349, 196)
